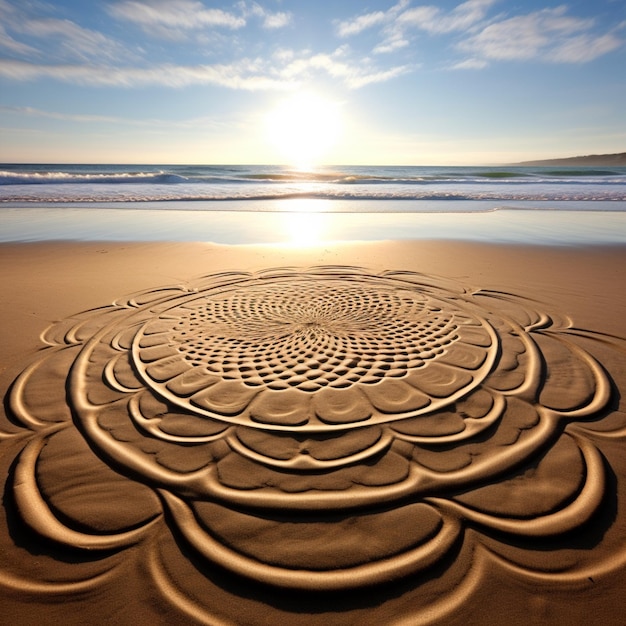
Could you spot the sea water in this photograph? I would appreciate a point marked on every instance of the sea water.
(266, 204)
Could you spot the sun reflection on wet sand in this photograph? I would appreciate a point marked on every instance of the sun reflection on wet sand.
(305, 228)
(306, 221)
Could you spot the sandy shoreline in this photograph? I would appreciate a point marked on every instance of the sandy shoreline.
(392, 432)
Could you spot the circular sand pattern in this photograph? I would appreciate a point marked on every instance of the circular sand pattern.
(315, 334)
(328, 406)
(359, 340)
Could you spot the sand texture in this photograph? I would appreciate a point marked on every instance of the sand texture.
(415, 433)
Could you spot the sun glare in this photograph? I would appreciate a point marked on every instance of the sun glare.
(304, 229)
(303, 129)
(305, 222)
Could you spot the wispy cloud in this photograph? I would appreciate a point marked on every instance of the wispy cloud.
(269, 19)
(391, 44)
(397, 24)
(174, 19)
(73, 40)
(584, 48)
(359, 23)
(173, 15)
(243, 75)
(81, 118)
(338, 65)
(59, 37)
(13, 46)
(550, 35)
(55, 115)
(434, 20)
(284, 72)
(470, 64)
(545, 35)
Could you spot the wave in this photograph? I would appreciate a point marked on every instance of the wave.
(263, 176)
(453, 177)
(408, 176)
(71, 184)
(67, 178)
(255, 195)
(581, 172)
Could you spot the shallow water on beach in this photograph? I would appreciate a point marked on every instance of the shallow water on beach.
(528, 226)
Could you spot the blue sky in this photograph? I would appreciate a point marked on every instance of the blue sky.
(367, 82)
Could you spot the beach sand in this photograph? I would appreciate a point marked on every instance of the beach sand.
(372, 433)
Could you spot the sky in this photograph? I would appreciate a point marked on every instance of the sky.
(373, 82)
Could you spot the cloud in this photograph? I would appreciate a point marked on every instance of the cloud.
(15, 47)
(72, 117)
(358, 24)
(281, 73)
(356, 80)
(174, 15)
(58, 37)
(391, 45)
(276, 20)
(399, 21)
(549, 35)
(545, 35)
(584, 48)
(175, 18)
(353, 74)
(81, 118)
(434, 20)
(270, 20)
(241, 75)
(470, 64)
(10, 16)
(74, 40)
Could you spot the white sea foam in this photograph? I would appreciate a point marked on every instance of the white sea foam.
(68, 178)
(67, 184)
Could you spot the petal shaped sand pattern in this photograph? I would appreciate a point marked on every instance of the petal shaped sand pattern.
(324, 402)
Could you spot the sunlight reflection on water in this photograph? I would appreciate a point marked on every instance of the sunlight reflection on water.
(305, 227)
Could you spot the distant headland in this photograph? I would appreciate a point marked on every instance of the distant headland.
(591, 160)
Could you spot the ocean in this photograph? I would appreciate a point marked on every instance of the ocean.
(248, 203)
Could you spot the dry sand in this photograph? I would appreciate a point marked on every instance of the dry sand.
(389, 433)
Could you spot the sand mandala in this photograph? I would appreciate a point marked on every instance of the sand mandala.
(314, 429)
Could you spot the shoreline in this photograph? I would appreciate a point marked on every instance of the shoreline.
(312, 222)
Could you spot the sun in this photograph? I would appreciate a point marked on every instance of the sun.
(303, 129)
